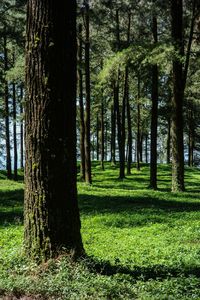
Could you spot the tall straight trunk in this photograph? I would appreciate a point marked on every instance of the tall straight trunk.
(191, 139)
(106, 139)
(14, 132)
(130, 146)
(119, 133)
(177, 99)
(52, 223)
(146, 148)
(169, 141)
(123, 130)
(141, 145)
(154, 115)
(102, 134)
(88, 175)
(21, 128)
(97, 137)
(138, 125)
(113, 133)
(6, 105)
(81, 105)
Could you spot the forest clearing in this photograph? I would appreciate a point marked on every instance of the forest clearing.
(140, 244)
(99, 149)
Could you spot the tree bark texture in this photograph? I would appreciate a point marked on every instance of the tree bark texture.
(52, 223)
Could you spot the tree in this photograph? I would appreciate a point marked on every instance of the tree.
(88, 175)
(177, 98)
(154, 114)
(52, 222)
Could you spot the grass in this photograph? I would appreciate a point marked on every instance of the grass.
(141, 244)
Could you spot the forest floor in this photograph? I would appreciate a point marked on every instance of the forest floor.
(141, 244)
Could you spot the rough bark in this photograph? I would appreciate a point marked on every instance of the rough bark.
(177, 99)
(52, 223)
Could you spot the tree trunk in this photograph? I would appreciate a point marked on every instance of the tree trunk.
(138, 126)
(177, 99)
(129, 156)
(81, 106)
(14, 132)
(102, 134)
(154, 115)
(119, 133)
(21, 129)
(88, 175)
(169, 141)
(97, 137)
(146, 148)
(6, 103)
(52, 223)
(191, 139)
(113, 133)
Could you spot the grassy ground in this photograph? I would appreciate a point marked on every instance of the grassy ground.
(141, 244)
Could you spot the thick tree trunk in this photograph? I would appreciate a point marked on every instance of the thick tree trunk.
(21, 129)
(81, 106)
(14, 132)
(6, 104)
(88, 175)
(177, 99)
(52, 223)
(154, 115)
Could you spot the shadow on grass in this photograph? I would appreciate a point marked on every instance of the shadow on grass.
(136, 211)
(155, 272)
(11, 206)
(90, 203)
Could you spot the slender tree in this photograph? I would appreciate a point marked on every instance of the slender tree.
(88, 175)
(154, 114)
(52, 222)
(81, 105)
(15, 132)
(6, 109)
(21, 128)
(177, 98)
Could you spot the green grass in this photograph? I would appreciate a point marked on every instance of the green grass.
(141, 244)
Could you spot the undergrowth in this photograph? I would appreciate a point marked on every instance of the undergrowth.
(140, 244)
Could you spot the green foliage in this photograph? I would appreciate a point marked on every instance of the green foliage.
(141, 244)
